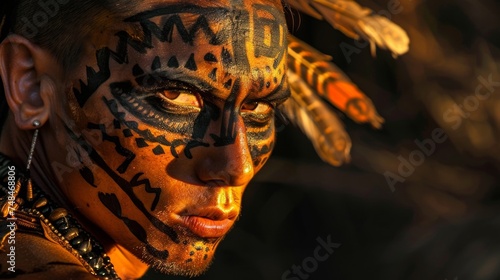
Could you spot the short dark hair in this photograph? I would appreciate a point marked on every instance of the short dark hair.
(7, 11)
(53, 24)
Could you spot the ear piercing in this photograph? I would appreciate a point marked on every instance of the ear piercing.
(27, 179)
(24, 180)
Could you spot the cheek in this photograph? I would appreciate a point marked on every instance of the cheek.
(261, 150)
(121, 137)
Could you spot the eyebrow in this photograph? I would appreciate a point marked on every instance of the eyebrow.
(278, 95)
(175, 9)
(196, 82)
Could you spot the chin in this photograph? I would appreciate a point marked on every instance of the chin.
(191, 258)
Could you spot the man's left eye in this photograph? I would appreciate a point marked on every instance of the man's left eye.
(257, 107)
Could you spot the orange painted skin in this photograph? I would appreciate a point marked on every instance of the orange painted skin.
(154, 156)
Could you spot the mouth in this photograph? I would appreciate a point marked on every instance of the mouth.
(209, 223)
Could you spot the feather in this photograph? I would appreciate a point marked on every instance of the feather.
(329, 82)
(306, 110)
(357, 22)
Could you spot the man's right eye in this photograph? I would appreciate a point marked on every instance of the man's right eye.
(180, 98)
(173, 96)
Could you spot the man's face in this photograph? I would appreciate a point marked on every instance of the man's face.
(171, 122)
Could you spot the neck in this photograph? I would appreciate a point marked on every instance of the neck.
(15, 144)
(127, 266)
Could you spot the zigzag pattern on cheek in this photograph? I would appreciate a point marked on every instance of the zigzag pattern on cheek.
(125, 185)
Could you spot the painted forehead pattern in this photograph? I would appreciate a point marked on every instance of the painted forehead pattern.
(238, 41)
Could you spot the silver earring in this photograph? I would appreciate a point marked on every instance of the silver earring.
(27, 179)
(24, 181)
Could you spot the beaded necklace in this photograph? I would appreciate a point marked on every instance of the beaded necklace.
(38, 213)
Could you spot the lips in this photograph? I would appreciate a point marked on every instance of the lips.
(207, 228)
(209, 223)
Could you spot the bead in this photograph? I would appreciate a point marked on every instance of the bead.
(29, 191)
(71, 234)
(64, 227)
(107, 260)
(85, 247)
(91, 256)
(58, 214)
(96, 263)
(102, 272)
(77, 241)
(5, 209)
(45, 209)
(59, 222)
(20, 201)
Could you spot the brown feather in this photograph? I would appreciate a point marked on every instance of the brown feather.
(357, 22)
(306, 110)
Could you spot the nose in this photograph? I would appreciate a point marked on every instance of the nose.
(228, 165)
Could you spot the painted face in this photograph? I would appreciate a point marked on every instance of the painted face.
(171, 123)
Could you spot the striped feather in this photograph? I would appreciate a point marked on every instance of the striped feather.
(329, 82)
(306, 110)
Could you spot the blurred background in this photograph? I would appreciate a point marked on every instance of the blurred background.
(391, 213)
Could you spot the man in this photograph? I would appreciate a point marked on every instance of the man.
(153, 117)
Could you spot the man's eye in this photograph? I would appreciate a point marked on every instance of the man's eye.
(257, 107)
(180, 98)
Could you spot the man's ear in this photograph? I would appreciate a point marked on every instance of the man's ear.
(28, 73)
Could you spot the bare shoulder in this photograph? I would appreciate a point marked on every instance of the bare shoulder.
(34, 257)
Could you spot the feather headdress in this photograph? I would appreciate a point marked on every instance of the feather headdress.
(314, 78)
(357, 22)
(318, 122)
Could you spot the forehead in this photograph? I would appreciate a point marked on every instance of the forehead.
(213, 42)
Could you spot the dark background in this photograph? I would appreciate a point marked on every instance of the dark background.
(441, 222)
